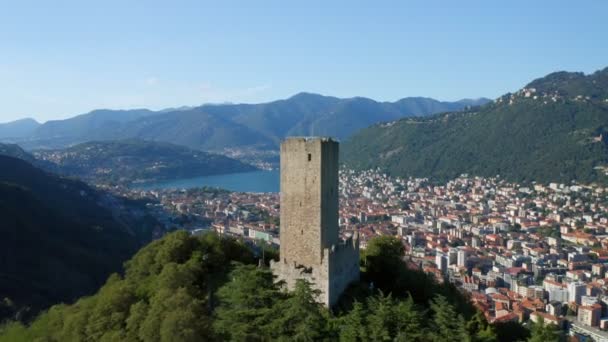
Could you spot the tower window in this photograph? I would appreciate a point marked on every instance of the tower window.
(309, 157)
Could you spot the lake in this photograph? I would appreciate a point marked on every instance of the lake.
(255, 181)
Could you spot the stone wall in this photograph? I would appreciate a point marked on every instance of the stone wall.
(338, 268)
(343, 267)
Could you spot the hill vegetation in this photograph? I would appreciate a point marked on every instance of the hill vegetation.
(60, 238)
(15, 151)
(554, 129)
(217, 127)
(126, 161)
(186, 288)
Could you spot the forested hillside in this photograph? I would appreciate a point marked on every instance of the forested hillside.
(186, 288)
(60, 238)
(126, 161)
(554, 129)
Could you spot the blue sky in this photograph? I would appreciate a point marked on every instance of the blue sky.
(61, 58)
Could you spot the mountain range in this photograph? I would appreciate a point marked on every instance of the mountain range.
(553, 129)
(217, 127)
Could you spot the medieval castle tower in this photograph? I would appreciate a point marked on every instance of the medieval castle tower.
(310, 245)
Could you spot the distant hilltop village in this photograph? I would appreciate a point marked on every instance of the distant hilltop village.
(310, 244)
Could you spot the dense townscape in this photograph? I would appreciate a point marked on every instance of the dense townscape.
(520, 252)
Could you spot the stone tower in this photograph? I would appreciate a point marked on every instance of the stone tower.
(310, 244)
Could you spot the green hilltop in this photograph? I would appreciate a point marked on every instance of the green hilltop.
(554, 129)
(207, 287)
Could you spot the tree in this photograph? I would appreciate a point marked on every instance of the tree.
(447, 324)
(246, 304)
(354, 324)
(15, 332)
(409, 324)
(137, 315)
(382, 261)
(300, 317)
(479, 328)
(185, 288)
(383, 318)
(488, 334)
(542, 332)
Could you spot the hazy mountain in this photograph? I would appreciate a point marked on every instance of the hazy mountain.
(554, 129)
(195, 128)
(125, 161)
(18, 129)
(60, 238)
(98, 124)
(220, 126)
(313, 114)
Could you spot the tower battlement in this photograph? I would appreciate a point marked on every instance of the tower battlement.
(349, 244)
(310, 245)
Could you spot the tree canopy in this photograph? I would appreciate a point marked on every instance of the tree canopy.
(192, 288)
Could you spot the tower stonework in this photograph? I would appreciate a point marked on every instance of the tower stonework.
(310, 245)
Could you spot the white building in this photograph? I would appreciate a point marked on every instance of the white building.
(442, 262)
(575, 291)
(462, 258)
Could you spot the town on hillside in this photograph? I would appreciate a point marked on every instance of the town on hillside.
(520, 252)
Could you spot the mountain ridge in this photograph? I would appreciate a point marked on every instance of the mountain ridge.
(219, 126)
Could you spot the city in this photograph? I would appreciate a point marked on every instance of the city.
(520, 252)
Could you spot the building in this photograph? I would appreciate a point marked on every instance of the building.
(554, 308)
(310, 244)
(560, 295)
(575, 291)
(547, 318)
(588, 300)
(452, 256)
(462, 258)
(441, 260)
(597, 269)
(590, 315)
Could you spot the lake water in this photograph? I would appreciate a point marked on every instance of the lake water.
(255, 181)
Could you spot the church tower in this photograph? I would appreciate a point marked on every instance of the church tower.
(310, 244)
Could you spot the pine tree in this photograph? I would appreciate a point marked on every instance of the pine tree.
(246, 304)
(447, 325)
(409, 321)
(381, 320)
(300, 317)
(354, 324)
